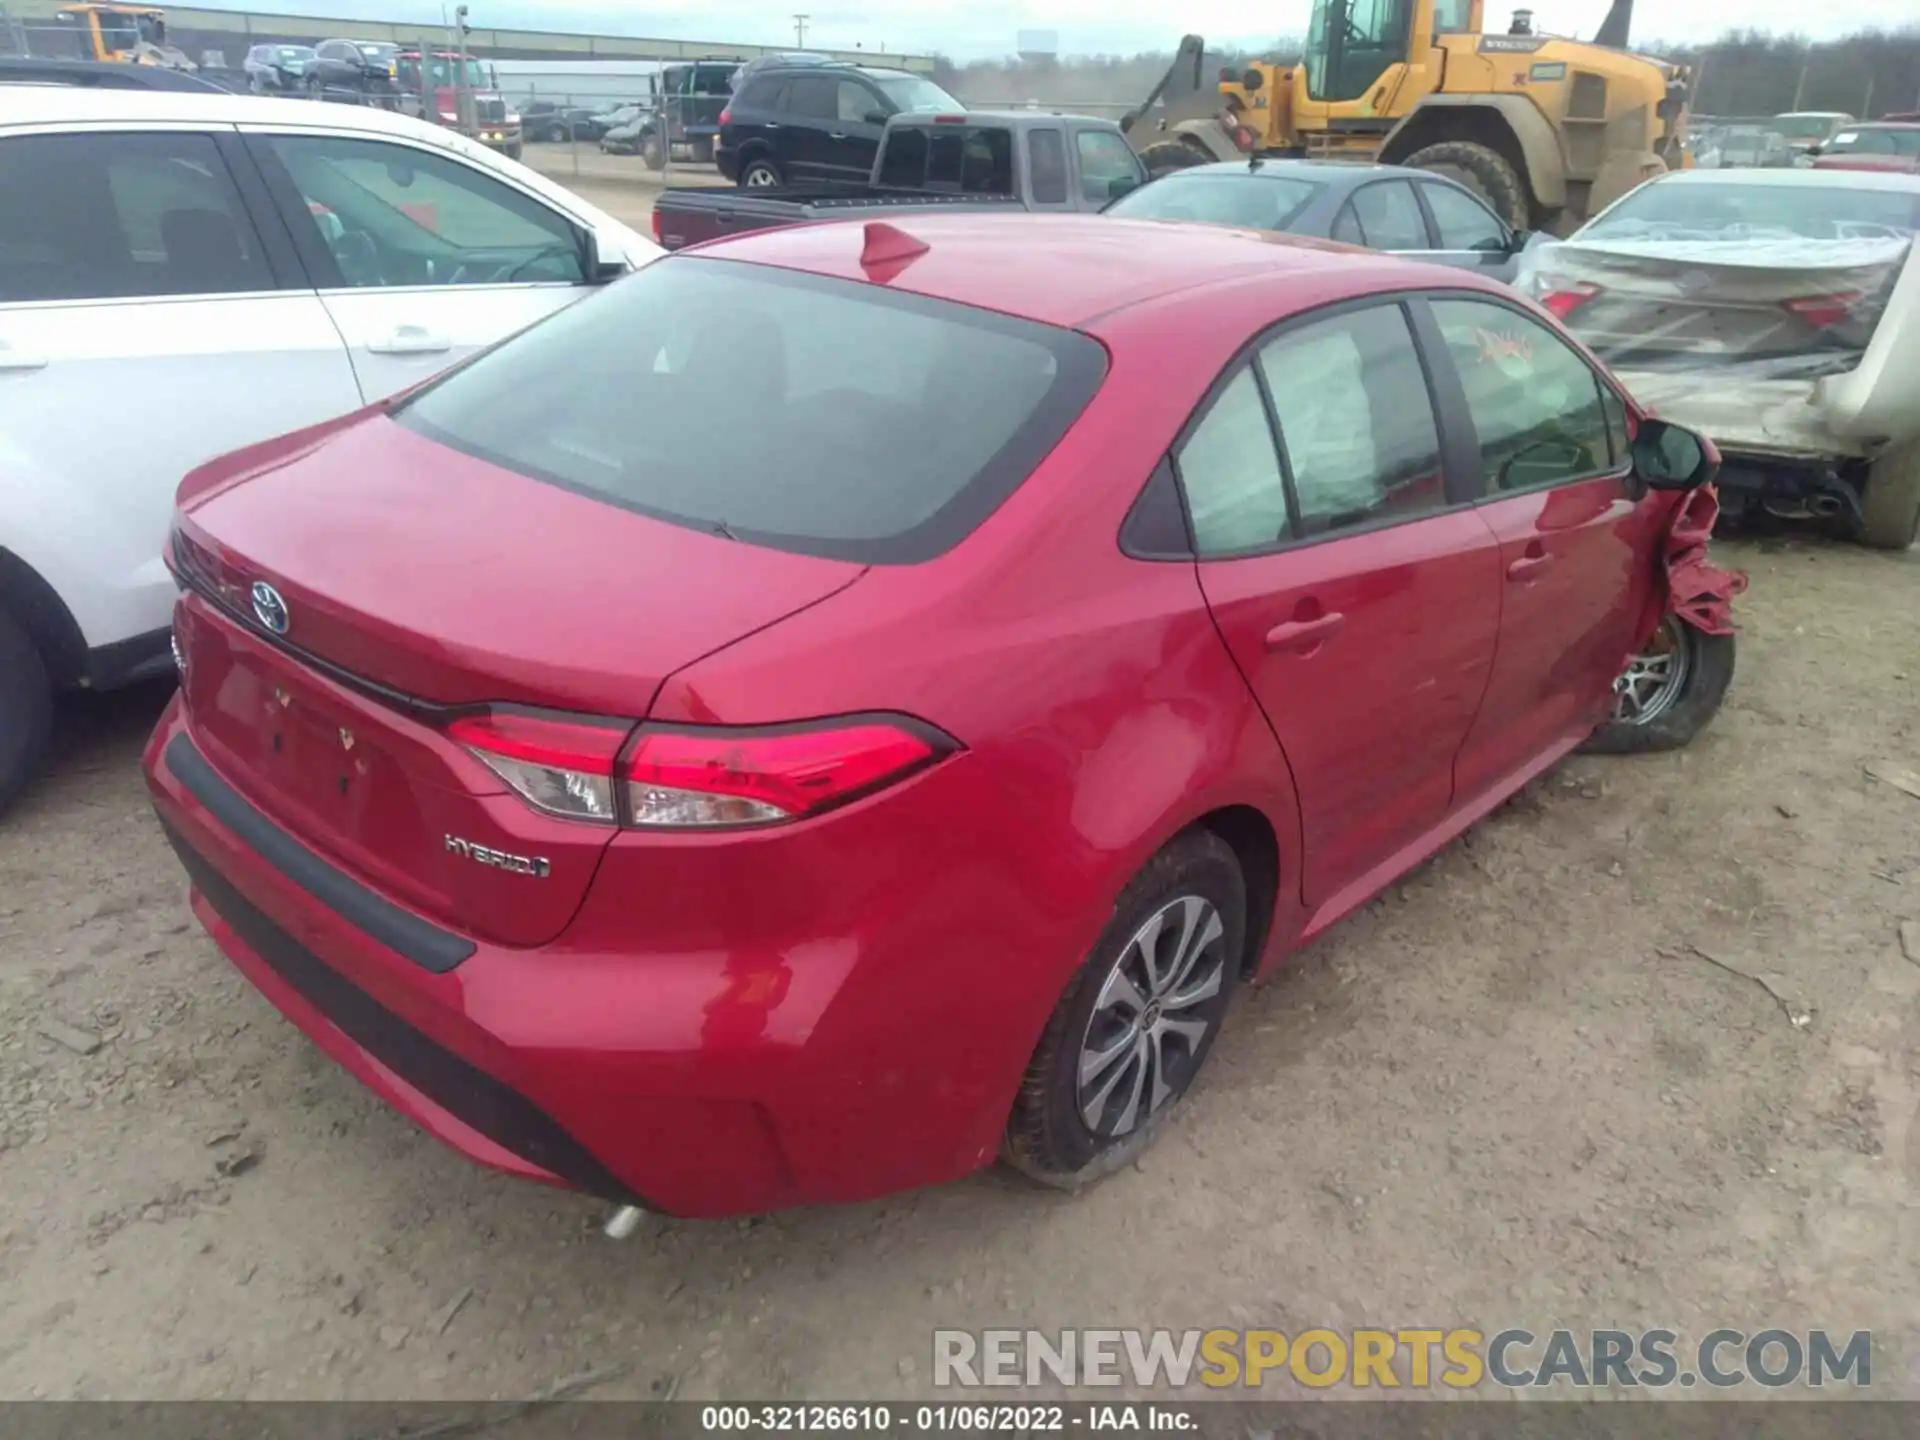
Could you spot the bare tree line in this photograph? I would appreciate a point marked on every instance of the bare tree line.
(1745, 72)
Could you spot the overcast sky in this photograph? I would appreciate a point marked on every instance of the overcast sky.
(969, 29)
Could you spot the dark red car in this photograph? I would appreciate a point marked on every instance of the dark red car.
(1878, 145)
(852, 702)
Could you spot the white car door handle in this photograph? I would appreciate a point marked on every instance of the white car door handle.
(12, 359)
(410, 340)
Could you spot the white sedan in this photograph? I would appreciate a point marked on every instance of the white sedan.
(1778, 311)
(185, 274)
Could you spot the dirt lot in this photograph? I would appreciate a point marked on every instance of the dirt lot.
(618, 184)
(1508, 1092)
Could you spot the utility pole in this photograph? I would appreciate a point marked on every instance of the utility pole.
(462, 92)
(800, 31)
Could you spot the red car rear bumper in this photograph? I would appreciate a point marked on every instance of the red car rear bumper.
(695, 1084)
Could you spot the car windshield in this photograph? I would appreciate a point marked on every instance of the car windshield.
(917, 96)
(1757, 212)
(822, 416)
(1261, 202)
(1871, 141)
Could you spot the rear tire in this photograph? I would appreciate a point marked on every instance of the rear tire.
(1667, 719)
(1481, 169)
(1890, 507)
(1167, 156)
(760, 173)
(26, 711)
(1194, 890)
(653, 154)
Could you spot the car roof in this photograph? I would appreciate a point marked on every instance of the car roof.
(98, 74)
(1886, 125)
(1070, 270)
(58, 104)
(1332, 172)
(1831, 179)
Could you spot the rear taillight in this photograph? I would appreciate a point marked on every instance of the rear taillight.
(714, 777)
(559, 764)
(726, 116)
(1567, 296)
(1824, 311)
(694, 778)
(656, 225)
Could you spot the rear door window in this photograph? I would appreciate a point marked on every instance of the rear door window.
(1390, 217)
(815, 415)
(105, 216)
(1047, 167)
(1356, 421)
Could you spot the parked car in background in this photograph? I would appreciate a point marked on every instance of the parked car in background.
(1022, 160)
(557, 124)
(968, 620)
(1803, 129)
(1382, 207)
(805, 120)
(625, 130)
(367, 68)
(1778, 312)
(1886, 145)
(277, 68)
(222, 268)
(1748, 147)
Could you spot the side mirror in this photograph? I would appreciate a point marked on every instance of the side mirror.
(1672, 457)
(876, 117)
(597, 271)
(1812, 150)
(1517, 241)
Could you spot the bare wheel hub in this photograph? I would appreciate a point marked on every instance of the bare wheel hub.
(1655, 679)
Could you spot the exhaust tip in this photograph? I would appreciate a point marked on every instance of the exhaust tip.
(623, 1222)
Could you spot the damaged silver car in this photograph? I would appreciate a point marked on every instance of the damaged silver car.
(1777, 311)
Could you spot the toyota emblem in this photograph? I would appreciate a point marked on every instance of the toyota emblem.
(268, 608)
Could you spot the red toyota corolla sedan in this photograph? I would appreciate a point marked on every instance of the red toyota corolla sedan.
(852, 702)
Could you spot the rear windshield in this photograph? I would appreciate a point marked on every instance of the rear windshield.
(1260, 202)
(821, 416)
(1757, 212)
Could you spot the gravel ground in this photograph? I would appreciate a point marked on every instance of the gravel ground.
(1511, 1091)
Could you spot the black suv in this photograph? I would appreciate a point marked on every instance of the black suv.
(808, 120)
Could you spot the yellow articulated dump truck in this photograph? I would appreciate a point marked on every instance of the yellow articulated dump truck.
(1548, 130)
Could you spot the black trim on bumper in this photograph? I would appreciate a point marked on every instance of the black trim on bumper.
(489, 1105)
(422, 942)
(129, 661)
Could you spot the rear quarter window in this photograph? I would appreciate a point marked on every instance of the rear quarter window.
(821, 416)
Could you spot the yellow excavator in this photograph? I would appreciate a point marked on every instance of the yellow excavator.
(1547, 130)
(127, 34)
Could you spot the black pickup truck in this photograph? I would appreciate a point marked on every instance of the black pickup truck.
(1022, 160)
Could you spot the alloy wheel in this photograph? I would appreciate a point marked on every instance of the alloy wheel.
(1144, 1038)
(1654, 679)
(761, 177)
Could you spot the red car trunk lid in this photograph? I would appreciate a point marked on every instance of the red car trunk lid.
(402, 611)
